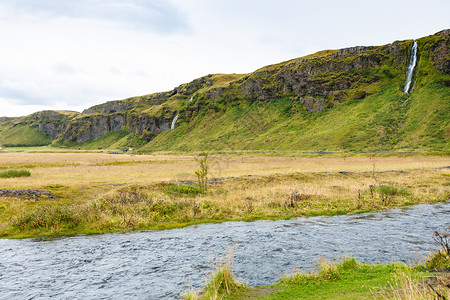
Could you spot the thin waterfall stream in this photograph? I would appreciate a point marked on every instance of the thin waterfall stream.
(411, 65)
(174, 121)
(164, 264)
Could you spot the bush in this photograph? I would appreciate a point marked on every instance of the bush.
(15, 173)
(183, 190)
(50, 216)
(392, 191)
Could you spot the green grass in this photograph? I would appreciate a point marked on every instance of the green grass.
(346, 279)
(349, 280)
(50, 216)
(376, 123)
(23, 136)
(15, 173)
(179, 190)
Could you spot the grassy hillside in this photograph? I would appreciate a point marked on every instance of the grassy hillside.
(383, 121)
(387, 119)
(334, 100)
(22, 136)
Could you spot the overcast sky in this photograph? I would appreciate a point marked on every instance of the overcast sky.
(72, 54)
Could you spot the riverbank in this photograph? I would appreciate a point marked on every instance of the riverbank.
(98, 193)
(344, 279)
(165, 264)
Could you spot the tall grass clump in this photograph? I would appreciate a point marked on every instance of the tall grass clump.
(434, 287)
(49, 216)
(15, 173)
(408, 287)
(222, 282)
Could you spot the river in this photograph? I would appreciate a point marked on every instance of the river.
(164, 264)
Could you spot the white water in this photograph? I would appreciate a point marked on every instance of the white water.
(190, 100)
(174, 121)
(412, 64)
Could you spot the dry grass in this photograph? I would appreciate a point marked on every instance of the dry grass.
(406, 287)
(254, 186)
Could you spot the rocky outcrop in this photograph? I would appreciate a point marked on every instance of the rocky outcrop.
(140, 123)
(91, 126)
(440, 51)
(109, 107)
(27, 194)
(50, 122)
(323, 77)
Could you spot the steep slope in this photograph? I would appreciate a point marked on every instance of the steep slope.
(349, 99)
(37, 129)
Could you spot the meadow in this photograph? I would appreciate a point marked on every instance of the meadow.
(96, 192)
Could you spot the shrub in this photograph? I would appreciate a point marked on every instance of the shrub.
(15, 173)
(440, 259)
(127, 197)
(183, 190)
(202, 174)
(50, 216)
(392, 191)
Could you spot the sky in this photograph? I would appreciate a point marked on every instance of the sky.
(73, 54)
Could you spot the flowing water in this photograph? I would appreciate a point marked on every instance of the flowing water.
(164, 264)
(174, 121)
(411, 65)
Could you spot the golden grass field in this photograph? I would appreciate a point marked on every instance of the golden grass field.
(254, 186)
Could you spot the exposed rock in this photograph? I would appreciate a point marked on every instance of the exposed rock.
(109, 107)
(27, 194)
(440, 52)
(138, 124)
(92, 126)
(314, 104)
(5, 119)
(50, 122)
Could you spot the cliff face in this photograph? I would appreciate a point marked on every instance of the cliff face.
(313, 84)
(91, 126)
(318, 82)
(49, 122)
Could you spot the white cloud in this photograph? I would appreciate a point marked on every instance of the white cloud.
(75, 54)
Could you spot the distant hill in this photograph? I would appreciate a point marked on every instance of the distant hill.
(336, 100)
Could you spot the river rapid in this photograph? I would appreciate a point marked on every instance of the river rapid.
(164, 264)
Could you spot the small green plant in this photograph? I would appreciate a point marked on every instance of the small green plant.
(202, 174)
(15, 173)
(391, 191)
(179, 190)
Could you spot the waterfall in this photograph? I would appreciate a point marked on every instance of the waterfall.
(412, 64)
(174, 121)
(190, 100)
